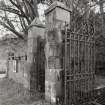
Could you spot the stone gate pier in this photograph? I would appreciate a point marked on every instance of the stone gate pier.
(56, 17)
(35, 36)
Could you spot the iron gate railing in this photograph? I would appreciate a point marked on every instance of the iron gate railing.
(79, 66)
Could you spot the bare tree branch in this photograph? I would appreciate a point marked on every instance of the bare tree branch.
(11, 10)
(12, 30)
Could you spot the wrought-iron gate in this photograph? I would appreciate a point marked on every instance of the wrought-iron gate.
(79, 66)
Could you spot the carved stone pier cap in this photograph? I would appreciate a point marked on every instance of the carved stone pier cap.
(58, 12)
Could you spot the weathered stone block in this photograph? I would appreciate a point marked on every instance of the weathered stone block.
(57, 12)
(32, 45)
(50, 93)
(62, 15)
(36, 29)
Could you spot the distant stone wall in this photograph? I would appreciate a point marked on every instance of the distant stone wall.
(14, 66)
(16, 70)
(17, 63)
